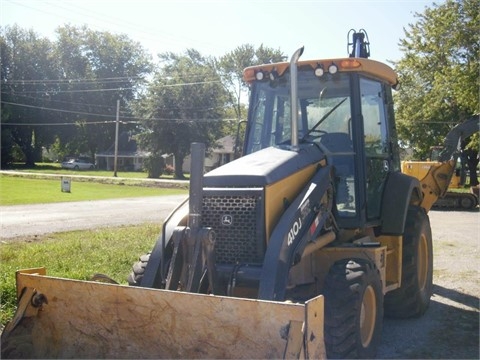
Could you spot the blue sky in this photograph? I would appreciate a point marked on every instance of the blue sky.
(216, 27)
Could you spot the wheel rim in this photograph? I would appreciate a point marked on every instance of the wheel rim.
(368, 315)
(422, 268)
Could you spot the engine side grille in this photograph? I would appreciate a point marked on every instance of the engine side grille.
(236, 220)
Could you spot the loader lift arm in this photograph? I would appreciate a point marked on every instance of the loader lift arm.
(435, 183)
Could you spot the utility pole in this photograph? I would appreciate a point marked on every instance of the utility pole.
(116, 140)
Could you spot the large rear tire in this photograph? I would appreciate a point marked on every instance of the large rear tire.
(413, 297)
(353, 309)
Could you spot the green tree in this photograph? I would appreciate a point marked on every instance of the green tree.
(439, 74)
(101, 68)
(185, 103)
(65, 92)
(231, 67)
(27, 62)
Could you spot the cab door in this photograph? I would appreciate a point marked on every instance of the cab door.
(376, 145)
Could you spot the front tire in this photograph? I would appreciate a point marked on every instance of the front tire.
(135, 278)
(138, 270)
(353, 309)
(413, 297)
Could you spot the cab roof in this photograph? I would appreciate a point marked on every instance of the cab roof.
(366, 66)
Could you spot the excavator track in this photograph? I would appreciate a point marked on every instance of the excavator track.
(456, 201)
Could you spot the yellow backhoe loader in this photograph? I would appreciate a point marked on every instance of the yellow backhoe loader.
(295, 250)
(449, 199)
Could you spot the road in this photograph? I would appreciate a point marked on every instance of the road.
(28, 220)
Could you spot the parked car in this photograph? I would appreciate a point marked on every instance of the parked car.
(78, 164)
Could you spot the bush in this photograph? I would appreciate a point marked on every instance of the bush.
(155, 165)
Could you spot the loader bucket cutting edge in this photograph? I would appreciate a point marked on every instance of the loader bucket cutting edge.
(85, 319)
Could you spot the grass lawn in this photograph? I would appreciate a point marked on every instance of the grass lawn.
(23, 190)
(77, 254)
(74, 255)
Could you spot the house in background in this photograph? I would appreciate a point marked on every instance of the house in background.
(129, 156)
(220, 155)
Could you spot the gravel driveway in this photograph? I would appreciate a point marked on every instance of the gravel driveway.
(449, 329)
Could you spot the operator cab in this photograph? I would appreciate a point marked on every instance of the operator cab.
(344, 107)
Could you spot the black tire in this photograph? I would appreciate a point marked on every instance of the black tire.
(413, 297)
(353, 309)
(468, 202)
(138, 269)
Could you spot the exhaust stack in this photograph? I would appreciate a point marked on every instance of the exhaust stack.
(294, 96)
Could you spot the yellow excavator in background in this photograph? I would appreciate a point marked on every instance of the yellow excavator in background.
(295, 250)
(445, 198)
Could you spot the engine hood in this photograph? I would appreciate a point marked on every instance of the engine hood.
(263, 167)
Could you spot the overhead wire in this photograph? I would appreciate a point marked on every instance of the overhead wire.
(63, 124)
(129, 119)
(107, 107)
(75, 81)
(57, 91)
(53, 109)
(70, 103)
(88, 81)
(146, 33)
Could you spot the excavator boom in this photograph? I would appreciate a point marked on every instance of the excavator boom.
(456, 136)
(438, 177)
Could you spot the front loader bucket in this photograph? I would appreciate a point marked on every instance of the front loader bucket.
(62, 318)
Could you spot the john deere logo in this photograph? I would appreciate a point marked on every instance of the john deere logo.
(227, 220)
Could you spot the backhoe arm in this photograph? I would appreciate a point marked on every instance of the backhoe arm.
(435, 183)
(451, 144)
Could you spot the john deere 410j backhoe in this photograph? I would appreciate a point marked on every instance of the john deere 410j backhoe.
(294, 250)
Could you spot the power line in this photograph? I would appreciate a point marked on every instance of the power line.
(55, 91)
(113, 116)
(93, 114)
(113, 122)
(146, 32)
(62, 124)
(34, 98)
(53, 109)
(82, 81)
(75, 81)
